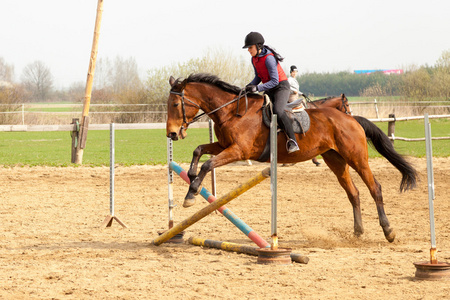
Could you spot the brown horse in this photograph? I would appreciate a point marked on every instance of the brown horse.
(340, 103)
(241, 134)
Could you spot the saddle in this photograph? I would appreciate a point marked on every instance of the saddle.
(296, 113)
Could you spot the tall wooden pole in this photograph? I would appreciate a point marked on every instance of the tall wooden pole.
(82, 134)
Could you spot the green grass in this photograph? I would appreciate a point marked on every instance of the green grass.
(53, 109)
(132, 147)
(139, 147)
(415, 129)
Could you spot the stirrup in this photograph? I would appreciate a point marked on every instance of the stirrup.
(291, 146)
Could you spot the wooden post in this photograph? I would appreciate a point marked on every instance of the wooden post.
(82, 134)
(74, 135)
(391, 128)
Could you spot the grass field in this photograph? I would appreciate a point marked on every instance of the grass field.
(139, 147)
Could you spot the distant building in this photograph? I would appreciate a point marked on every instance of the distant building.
(385, 71)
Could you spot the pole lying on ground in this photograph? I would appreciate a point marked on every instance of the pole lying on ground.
(241, 225)
(82, 136)
(233, 247)
(212, 207)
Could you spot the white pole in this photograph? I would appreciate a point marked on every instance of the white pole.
(213, 171)
(431, 194)
(109, 219)
(111, 170)
(273, 180)
(170, 180)
(376, 108)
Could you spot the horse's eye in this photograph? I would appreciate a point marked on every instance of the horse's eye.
(176, 104)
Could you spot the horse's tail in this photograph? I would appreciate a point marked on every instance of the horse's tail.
(383, 145)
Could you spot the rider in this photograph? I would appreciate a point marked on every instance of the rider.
(295, 87)
(266, 63)
(295, 93)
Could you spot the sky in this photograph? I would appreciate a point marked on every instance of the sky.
(316, 36)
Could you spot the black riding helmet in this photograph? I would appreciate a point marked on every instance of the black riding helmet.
(254, 38)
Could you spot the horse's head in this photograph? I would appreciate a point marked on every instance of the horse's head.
(180, 110)
(346, 105)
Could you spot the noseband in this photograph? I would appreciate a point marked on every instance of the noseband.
(242, 93)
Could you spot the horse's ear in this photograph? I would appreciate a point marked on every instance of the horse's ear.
(343, 96)
(171, 81)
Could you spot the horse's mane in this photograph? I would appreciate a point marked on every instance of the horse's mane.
(324, 99)
(214, 80)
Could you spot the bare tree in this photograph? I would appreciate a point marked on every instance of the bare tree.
(441, 77)
(6, 72)
(229, 67)
(37, 78)
(125, 75)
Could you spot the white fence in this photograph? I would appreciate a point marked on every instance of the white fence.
(36, 114)
(160, 124)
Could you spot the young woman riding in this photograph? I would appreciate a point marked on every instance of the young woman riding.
(266, 63)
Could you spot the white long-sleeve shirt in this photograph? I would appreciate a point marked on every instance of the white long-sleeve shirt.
(295, 88)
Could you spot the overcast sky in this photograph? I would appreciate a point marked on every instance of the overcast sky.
(317, 36)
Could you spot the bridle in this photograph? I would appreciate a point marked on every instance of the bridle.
(242, 93)
(345, 104)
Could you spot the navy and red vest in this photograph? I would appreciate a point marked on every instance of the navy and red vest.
(260, 65)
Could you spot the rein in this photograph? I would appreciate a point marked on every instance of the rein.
(242, 93)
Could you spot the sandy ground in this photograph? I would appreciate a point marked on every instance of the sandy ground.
(53, 245)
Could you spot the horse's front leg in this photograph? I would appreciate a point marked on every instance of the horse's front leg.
(227, 156)
(213, 148)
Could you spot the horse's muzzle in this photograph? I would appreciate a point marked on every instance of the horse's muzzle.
(173, 136)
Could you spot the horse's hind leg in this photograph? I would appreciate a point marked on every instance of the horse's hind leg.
(340, 168)
(375, 190)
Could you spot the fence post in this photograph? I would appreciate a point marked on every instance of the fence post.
(74, 135)
(391, 128)
(376, 108)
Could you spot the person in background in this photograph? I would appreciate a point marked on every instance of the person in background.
(295, 88)
(295, 94)
(268, 72)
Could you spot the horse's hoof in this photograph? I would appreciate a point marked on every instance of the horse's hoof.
(358, 231)
(357, 234)
(188, 202)
(390, 236)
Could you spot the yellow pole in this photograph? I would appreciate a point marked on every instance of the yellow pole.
(82, 135)
(212, 207)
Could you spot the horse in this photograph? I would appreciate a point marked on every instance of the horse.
(340, 103)
(341, 139)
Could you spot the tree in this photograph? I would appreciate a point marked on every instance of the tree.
(37, 78)
(228, 67)
(6, 72)
(440, 85)
(416, 82)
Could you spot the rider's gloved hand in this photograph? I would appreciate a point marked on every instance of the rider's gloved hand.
(251, 88)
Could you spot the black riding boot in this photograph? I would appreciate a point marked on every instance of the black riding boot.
(286, 125)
